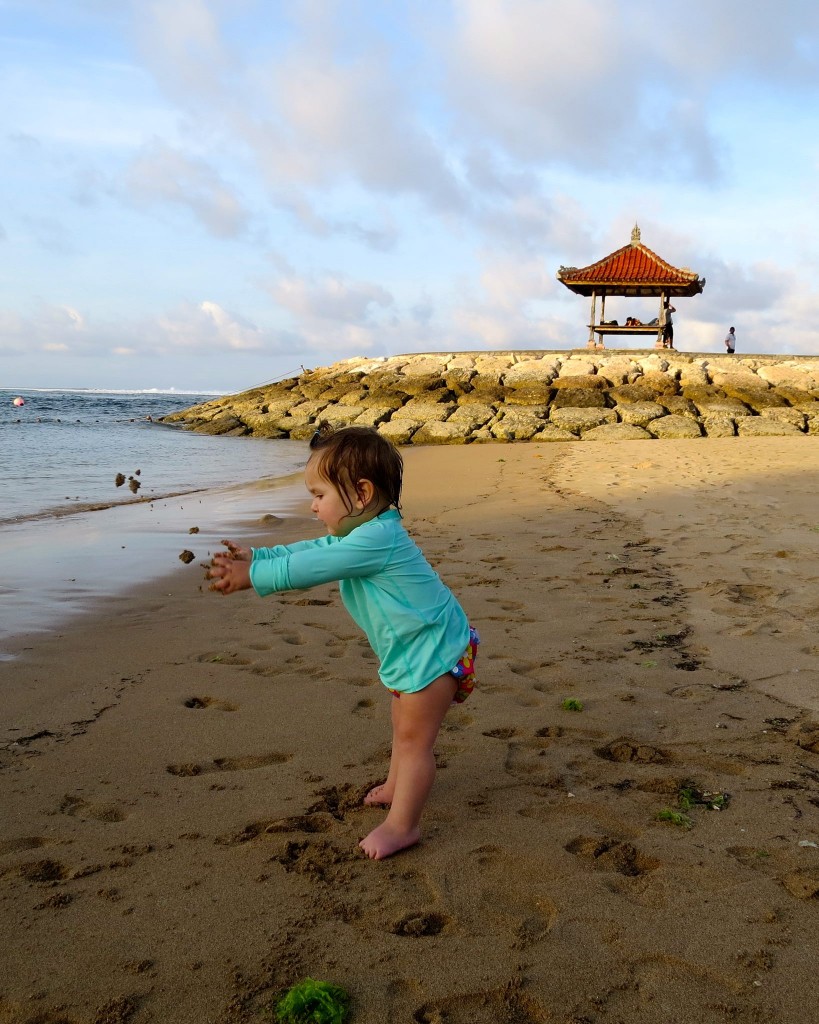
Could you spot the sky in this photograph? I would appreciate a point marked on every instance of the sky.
(212, 194)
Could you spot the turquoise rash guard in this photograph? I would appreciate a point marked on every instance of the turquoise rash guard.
(412, 620)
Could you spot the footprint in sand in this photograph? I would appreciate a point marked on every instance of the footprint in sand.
(607, 854)
(76, 807)
(200, 703)
(23, 843)
(625, 750)
(364, 707)
(509, 1002)
(310, 824)
(222, 658)
(227, 764)
(296, 639)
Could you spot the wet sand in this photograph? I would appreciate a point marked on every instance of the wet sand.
(182, 773)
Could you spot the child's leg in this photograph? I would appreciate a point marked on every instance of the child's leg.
(383, 794)
(415, 727)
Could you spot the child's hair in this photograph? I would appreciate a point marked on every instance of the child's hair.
(343, 457)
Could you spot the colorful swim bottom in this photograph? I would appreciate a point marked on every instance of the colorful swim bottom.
(464, 671)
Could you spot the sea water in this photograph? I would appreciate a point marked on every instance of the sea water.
(69, 535)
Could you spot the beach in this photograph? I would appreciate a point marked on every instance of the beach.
(625, 824)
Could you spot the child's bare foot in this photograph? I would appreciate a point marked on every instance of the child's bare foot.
(379, 795)
(384, 841)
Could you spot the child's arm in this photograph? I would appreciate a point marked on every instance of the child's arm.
(280, 550)
(310, 563)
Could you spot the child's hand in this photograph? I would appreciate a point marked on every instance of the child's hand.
(230, 575)
(236, 552)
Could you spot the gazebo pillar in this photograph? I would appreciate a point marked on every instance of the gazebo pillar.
(590, 342)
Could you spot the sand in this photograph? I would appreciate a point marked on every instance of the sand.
(182, 773)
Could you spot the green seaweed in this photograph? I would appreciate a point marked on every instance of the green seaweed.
(572, 704)
(313, 1002)
(674, 817)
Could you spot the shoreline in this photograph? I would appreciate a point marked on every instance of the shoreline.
(183, 812)
(90, 557)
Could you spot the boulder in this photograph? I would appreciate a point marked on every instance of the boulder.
(580, 398)
(516, 426)
(787, 415)
(533, 394)
(530, 371)
(399, 431)
(718, 426)
(576, 420)
(424, 410)
(636, 392)
(550, 432)
(639, 413)
(679, 406)
(583, 382)
(762, 426)
(674, 426)
(615, 432)
(373, 415)
(440, 433)
(722, 407)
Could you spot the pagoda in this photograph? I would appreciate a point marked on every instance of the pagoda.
(635, 271)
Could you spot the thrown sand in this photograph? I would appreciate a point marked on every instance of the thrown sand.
(181, 783)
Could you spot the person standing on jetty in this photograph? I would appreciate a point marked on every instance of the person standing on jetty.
(731, 341)
(419, 632)
(668, 324)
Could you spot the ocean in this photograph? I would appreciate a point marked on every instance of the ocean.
(70, 536)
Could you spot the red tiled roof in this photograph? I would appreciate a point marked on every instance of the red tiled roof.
(634, 266)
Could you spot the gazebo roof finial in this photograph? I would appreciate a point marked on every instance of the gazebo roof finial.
(635, 235)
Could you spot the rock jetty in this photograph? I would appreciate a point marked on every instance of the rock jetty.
(459, 398)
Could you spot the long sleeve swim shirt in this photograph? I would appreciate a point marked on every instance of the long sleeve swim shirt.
(412, 620)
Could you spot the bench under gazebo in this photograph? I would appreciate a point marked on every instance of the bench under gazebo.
(633, 271)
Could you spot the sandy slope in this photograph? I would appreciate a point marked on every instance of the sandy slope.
(181, 778)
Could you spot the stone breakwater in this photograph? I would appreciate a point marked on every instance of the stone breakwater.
(458, 398)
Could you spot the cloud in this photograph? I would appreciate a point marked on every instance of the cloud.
(332, 298)
(161, 174)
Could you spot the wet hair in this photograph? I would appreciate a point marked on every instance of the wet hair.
(345, 456)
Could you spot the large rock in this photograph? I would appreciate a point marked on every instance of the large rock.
(639, 413)
(718, 426)
(679, 406)
(580, 398)
(790, 374)
(633, 393)
(419, 409)
(762, 426)
(674, 426)
(616, 432)
(516, 425)
(550, 432)
(530, 371)
(440, 433)
(577, 420)
(399, 431)
(580, 382)
(722, 407)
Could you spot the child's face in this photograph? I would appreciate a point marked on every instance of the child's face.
(328, 504)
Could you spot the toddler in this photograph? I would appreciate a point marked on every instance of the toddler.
(419, 632)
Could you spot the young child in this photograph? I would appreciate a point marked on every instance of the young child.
(419, 632)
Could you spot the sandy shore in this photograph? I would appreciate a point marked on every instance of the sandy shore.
(181, 775)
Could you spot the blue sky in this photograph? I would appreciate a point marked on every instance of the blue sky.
(209, 194)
